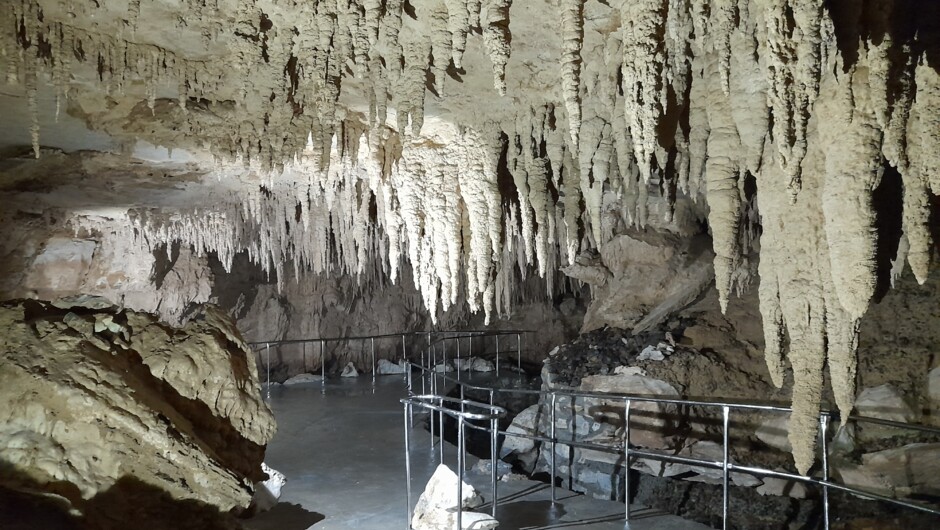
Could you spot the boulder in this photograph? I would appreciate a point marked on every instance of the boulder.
(268, 491)
(87, 414)
(349, 370)
(649, 423)
(526, 422)
(444, 368)
(883, 402)
(911, 470)
(773, 432)
(386, 367)
(301, 379)
(639, 279)
(481, 365)
(438, 504)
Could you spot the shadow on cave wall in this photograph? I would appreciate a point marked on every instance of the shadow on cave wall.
(132, 503)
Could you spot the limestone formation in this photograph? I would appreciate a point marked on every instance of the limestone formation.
(483, 143)
(438, 504)
(94, 396)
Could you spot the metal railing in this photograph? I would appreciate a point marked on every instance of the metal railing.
(628, 452)
(436, 348)
(432, 403)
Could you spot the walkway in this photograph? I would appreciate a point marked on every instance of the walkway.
(342, 452)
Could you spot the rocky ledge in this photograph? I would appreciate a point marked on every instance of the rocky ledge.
(100, 405)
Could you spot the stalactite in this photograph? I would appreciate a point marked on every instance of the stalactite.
(792, 37)
(643, 61)
(572, 34)
(494, 19)
(853, 170)
(458, 23)
(923, 169)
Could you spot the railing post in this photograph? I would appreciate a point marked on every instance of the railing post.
(322, 366)
(823, 425)
(725, 410)
(553, 447)
(519, 353)
(373, 361)
(408, 377)
(459, 365)
(461, 459)
(494, 458)
(626, 460)
(497, 355)
(407, 412)
(267, 352)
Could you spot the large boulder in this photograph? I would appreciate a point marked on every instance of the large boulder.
(650, 423)
(637, 280)
(909, 471)
(93, 398)
(883, 402)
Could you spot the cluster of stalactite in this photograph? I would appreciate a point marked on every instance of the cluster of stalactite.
(807, 101)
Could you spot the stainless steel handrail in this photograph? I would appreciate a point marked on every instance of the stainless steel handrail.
(431, 351)
(432, 403)
(725, 464)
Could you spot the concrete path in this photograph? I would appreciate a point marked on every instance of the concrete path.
(342, 451)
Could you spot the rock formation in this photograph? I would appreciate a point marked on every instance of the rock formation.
(485, 142)
(94, 396)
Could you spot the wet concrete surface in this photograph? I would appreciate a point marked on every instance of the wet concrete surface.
(342, 449)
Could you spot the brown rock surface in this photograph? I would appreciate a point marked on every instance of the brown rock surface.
(91, 399)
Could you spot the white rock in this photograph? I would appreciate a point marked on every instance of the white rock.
(444, 368)
(630, 370)
(301, 379)
(268, 492)
(773, 432)
(884, 402)
(437, 507)
(481, 365)
(350, 371)
(386, 367)
(651, 353)
(779, 487)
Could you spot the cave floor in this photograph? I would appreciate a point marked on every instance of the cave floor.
(342, 450)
